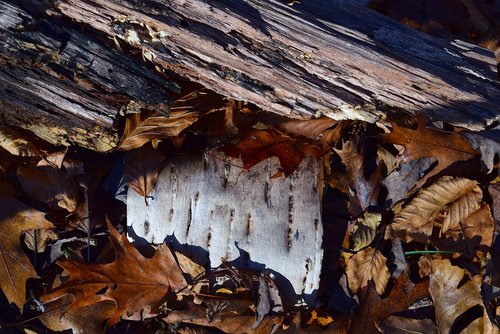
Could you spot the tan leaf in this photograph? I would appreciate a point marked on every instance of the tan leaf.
(141, 169)
(166, 121)
(188, 266)
(309, 128)
(15, 266)
(16, 143)
(428, 142)
(36, 240)
(450, 301)
(365, 230)
(49, 185)
(132, 281)
(457, 198)
(368, 264)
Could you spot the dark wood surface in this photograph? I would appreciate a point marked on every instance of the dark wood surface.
(73, 70)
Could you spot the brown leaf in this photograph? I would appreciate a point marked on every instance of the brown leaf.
(373, 309)
(132, 281)
(427, 142)
(166, 121)
(58, 316)
(364, 190)
(399, 325)
(472, 237)
(368, 264)
(15, 267)
(141, 169)
(50, 186)
(36, 240)
(365, 230)
(457, 197)
(451, 301)
(257, 145)
(309, 128)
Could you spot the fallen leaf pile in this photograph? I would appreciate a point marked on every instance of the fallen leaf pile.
(412, 205)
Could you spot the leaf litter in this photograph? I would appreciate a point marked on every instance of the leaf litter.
(409, 204)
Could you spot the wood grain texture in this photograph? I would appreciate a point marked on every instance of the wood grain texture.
(315, 56)
(210, 203)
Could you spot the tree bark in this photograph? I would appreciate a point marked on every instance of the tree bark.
(72, 65)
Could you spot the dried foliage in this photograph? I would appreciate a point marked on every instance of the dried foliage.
(132, 281)
(368, 264)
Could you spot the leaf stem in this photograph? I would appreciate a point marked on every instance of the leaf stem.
(428, 252)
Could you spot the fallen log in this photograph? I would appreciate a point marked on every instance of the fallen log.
(71, 65)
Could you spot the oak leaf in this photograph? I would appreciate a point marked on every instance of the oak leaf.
(457, 198)
(374, 308)
(141, 169)
(309, 128)
(427, 142)
(166, 121)
(15, 266)
(364, 189)
(452, 297)
(368, 264)
(257, 145)
(132, 281)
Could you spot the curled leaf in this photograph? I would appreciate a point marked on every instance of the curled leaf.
(365, 230)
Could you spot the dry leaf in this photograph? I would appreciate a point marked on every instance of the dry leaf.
(450, 300)
(427, 142)
(399, 325)
(50, 186)
(16, 143)
(311, 128)
(167, 121)
(188, 266)
(365, 230)
(15, 267)
(373, 308)
(58, 316)
(368, 264)
(457, 197)
(37, 240)
(365, 188)
(141, 169)
(488, 142)
(257, 145)
(131, 281)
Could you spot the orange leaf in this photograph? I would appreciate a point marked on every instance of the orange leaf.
(132, 281)
(257, 145)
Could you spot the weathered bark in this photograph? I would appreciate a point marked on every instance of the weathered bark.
(223, 211)
(314, 57)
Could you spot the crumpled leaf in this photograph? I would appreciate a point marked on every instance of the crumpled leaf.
(400, 325)
(488, 142)
(373, 309)
(451, 301)
(257, 145)
(167, 121)
(141, 169)
(368, 264)
(310, 128)
(50, 186)
(365, 230)
(268, 300)
(364, 189)
(428, 142)
(458, 197)
(132, 281)
(15, 266)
